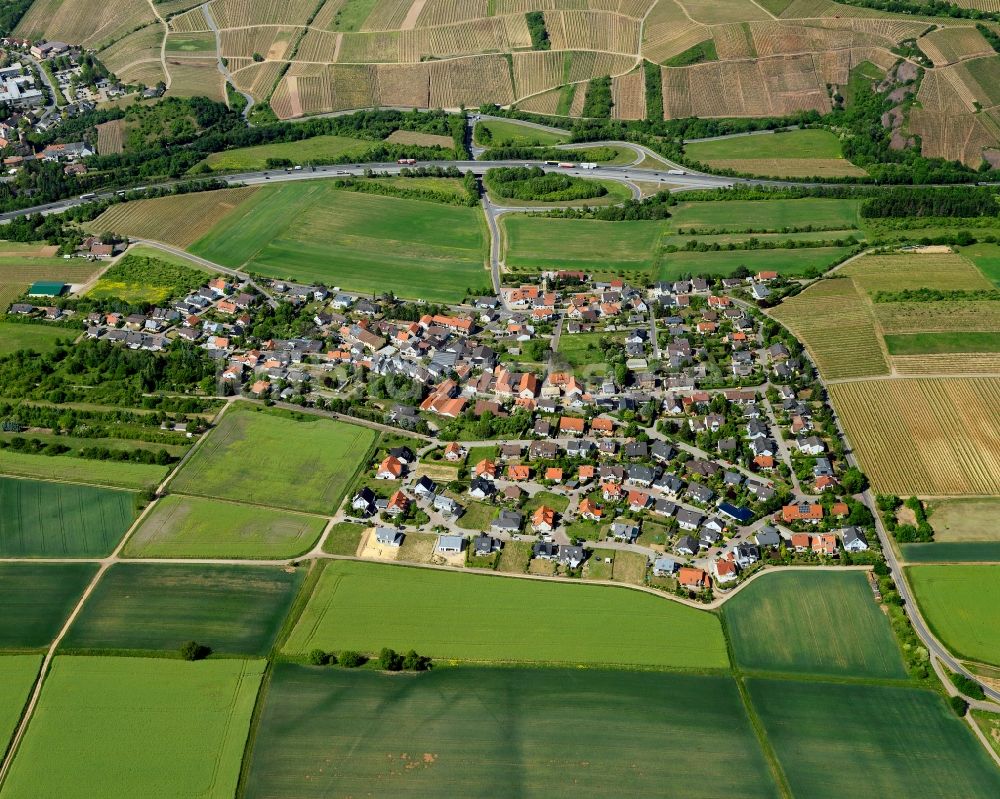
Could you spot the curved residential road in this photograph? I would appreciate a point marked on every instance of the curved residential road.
(920, 626)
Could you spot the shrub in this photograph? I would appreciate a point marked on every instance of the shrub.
(390, 660)
(192, 650)
(350, 659)
(970, 688)
(318, 657)
(959, 705)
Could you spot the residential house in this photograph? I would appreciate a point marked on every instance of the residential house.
(854, 539)
(725, 571)
(693, 579)
(543, 520)
(450, 544)
(389, 537)
(507, 521)
(389, 469)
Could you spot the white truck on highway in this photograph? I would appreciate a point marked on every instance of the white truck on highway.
(676, 172)
(588, 165)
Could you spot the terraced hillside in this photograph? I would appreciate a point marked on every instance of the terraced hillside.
(731, 58)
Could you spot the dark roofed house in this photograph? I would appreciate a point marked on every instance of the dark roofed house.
(738, 514)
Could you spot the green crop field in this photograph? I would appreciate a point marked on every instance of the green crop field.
(267, 459)
(490, 732)
(194, 527)
(511, 134)
(535, 243)
(795, 262)
(17, 675)
(965, 520)
(366, 606)
(137, 727)
(39, 519)
(61, 467)
(344, 538)
(787, 144)
(961, 604)
(310, 231)
(37, 598)
(812, 623)
(140, 606)
(987, 258)
(315, 149)
(952, 552)
(934, 343)
(16, 336)
(795, 153)
(848, 740)
(761, 215)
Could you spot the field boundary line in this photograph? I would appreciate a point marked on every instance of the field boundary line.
(971, 721)
(36, 693)
(163, 42)
(763, 740)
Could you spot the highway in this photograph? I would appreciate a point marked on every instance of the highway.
(625, 174)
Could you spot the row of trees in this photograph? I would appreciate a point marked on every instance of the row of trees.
(387, 659)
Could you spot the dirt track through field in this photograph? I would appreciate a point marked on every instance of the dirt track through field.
(410, 20)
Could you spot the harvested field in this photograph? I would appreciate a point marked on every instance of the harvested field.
(791, 167)
(41, 519)
(932, 437)
(371, 15)
(544, 103)
(734, 41)
(952, 363)
(273, 43)
(179, 220)
(585, 65)
(593, 30)
(536, 71)
(90, 23)
(446, 12)
(961, 604)
(109, 137)
(910, 317)
(948, 45)
(270, 459)
(183, 725)
(712, 12)
(189, 21)
(157, 607)
(345, 612)
(790, 622)
(894, 272)
(629, 95)
(310, 89)
(965, 520)
(334, 732)
(193, 77)
(830, 739)
(835, 322)
(192, 527)
(251, 13)
(258, 79)
(143, 45)
(146, 73)
(420, 139)
(766, 86)
(37, 599)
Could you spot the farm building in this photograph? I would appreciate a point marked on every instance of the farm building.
(46, 288)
